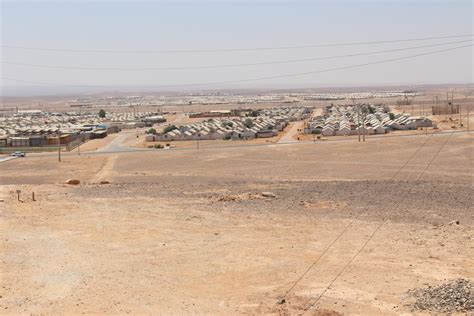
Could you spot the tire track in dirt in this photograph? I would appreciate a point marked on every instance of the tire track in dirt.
(106, 171)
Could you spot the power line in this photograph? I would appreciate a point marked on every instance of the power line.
(228, 49)
(257, 79)
(229, 65)
(352, 221)
(318, 258)
(376, 230)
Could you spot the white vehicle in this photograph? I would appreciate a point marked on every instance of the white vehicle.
(18, 154)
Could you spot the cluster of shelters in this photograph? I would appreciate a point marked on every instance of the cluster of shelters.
(37, 136)
(356, 95)
(262, 124)
(134, 120)
(36, 128)
(342, 120)
(288, 114)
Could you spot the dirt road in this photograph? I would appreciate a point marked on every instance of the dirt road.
(290, 135)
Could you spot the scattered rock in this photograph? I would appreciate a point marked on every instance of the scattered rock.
(229, 198)
(239, 197)
(247, 196)
(73, 181)
(2, 200)
(104, 182)
(454, 223)
(454, 296)
(269, 195)
(281, 301)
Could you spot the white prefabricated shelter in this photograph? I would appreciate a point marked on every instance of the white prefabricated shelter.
(150, 138)
(379, 129)
(343, 130)
(328, 131)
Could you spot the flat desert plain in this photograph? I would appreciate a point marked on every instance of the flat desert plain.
(349, 228)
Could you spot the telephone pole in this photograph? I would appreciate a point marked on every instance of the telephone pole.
(452, 103)
(460, 114)
(79, 144)
(447, 105)
(466, 96)
(437, 105)
(59, 144)
(358, 120)
(363, 123)
(364, 112)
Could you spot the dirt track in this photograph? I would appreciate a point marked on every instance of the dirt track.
(182, 232)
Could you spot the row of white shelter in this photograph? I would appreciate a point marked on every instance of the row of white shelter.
(238, 128)
(267, 123)
(37, 122)
(351, 120)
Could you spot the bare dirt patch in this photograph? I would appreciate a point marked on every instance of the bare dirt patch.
(157, 237)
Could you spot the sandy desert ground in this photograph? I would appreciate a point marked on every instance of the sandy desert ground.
(352, 228)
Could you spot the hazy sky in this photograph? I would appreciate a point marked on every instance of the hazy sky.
(159, 25)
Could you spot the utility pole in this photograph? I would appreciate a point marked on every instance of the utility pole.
(358, 121)
(79, 144)
(363, 123)
(59, 144)
(197, 141)
(460, 114)
(452, 102)
(468, 108)
(446, 109)
(437, 105)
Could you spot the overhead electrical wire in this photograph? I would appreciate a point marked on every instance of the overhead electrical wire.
(67, 50)
(229, 65)
(346, 228)
(372, 235)
(260, 78)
